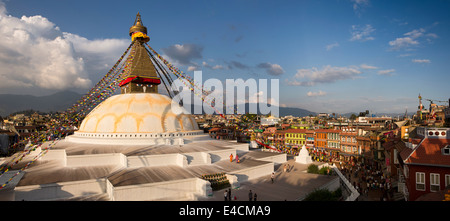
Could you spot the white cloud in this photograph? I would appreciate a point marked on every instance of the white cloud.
(362, 33)
(386, 72)
(35, 53)
(421, 61)
(358, 5)
(316, 94)
(184, 54)
(99, 54)
(365, 66)
(412, 39)
(272, 69)
(217, 67)
(400, 43)
(433, 35)
(192, 68)
(415, 33)
(405, 55)
(331, 46)
(205, 64)
(327, 74)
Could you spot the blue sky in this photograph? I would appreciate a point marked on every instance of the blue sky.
(330, 55)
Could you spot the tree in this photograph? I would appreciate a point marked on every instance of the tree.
(324, 195)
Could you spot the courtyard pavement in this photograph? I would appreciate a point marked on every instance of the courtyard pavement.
(294, 184)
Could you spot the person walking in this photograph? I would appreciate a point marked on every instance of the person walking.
(272, 177)
(231, 157)
(225, 195)
(254, 197)
(229, 194)
(250, 195)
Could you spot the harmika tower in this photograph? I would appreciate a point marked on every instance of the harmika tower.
(140, 75)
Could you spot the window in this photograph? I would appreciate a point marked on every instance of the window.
(447, 180)
(434, 182)
(420, 181)
(406, 173)
(446, 150)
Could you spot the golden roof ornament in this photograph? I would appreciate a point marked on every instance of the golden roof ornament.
(138, 26)
(140, 75)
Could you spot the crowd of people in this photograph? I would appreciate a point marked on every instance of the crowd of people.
(228, 197)
(364, 174)
(367, 176)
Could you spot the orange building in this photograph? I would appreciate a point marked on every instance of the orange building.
(320, 138)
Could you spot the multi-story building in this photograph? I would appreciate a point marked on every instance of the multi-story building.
(269, 135)
(333, 139)
(295, 137)
(270, 121)
(364, 145)
(222, 133)
(279, 137)
(348, 140)
(309, 138)
(405, 131)
(321, 138)
(425, 167)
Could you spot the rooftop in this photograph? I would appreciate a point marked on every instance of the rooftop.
(428, 152)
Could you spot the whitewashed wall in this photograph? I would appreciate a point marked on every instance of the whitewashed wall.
(157, 160)
(219, 155)
(97, 160)
(254, 172)
(169, 190)
(60, 190)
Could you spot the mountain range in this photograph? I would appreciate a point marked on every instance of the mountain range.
(11, 103)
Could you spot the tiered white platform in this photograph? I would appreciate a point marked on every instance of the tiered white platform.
(78, 171)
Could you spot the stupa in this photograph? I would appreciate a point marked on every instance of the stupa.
(139, 114)
(303, 156)
(137, 145)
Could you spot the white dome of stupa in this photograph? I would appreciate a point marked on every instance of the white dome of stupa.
(143, 117)
(138, 113)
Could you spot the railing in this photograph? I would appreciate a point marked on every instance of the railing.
(354, 194)
(267, 146)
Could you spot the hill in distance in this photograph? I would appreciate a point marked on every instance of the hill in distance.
(11, 103)
(283, 111)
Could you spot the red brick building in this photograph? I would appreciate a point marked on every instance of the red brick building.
(348, 140)
(364, 144)
(425, 167)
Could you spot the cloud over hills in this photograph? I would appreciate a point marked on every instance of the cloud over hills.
(328, 74)
(35, 53)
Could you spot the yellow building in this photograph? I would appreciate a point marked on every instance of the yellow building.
(405, 132)
(295, 137)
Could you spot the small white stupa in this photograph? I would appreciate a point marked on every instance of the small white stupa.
(303, 156)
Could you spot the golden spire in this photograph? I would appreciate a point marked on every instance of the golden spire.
(140, 75)
(138, 26)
